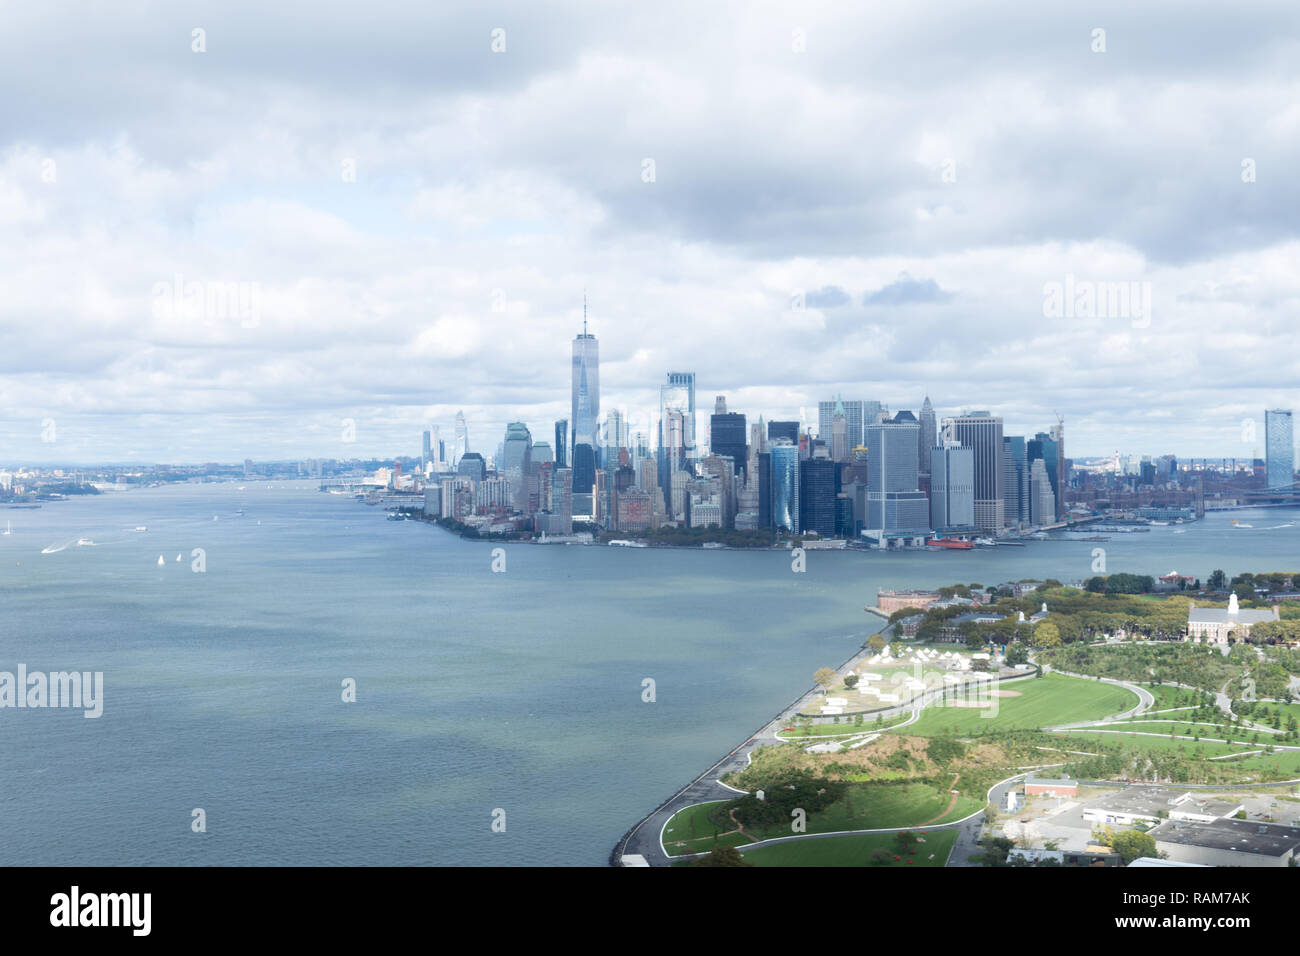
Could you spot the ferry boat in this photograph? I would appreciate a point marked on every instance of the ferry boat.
(951, 544)
(624, 543)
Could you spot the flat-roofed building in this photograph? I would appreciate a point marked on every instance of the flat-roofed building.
(1227, 842)
(1133, 805)
(1051, 787)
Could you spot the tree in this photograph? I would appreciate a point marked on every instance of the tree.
(1217, 581)
(1131, 844)
(724, 856)
(1047, 635)
(850, 681)
(1017, 654)
(876, 643)
(825, 676)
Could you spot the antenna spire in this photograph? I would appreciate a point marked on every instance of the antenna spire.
(584, 311)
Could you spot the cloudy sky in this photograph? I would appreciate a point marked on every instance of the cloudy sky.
(791, 200)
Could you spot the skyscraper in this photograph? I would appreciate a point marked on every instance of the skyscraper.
(952, 486)
(562, 443)
(787, 430)
(1042, 503)
(462, 439)
(929, 435)
(818, 488)
(678, 394)
(982, 432)
(1047, 449)
(727, 436)
(854, 412)
(784, 484)
(1062, 468)
(676, 444)
(1279, 448)
(586, 387)
(515, 462)
(1015, 482)
(894, 502)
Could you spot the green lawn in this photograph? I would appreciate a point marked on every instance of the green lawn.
(1167, 697)
(1181, 727)
(1046, 701)
(881, 806)
(842, 729)
(693, 830)
(1201, 748)
(853, 850)
(865, 806)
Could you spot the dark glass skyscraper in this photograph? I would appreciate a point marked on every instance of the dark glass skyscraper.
(562, 443)
(727, 436)
(1015, 483)
(818, 487)
(786, 430)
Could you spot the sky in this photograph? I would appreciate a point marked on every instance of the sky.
(241, 230)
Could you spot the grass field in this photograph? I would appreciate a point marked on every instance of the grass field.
(871, 806)
(853, 851)
(1167, 697)
(1043, 702)
(877, 807)
(1202, 748)
(1181, 727)
(691, 831)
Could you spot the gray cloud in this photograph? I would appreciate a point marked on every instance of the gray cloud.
(925, 169)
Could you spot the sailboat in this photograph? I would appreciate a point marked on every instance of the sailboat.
(9, 528)
(161, 562)
(178, 556)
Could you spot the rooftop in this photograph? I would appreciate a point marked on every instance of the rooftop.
(1243, 836)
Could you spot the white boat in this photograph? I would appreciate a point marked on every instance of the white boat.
(9, 528)
(85, 543)
(142, 527)
(178, 557)
(161, 562)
